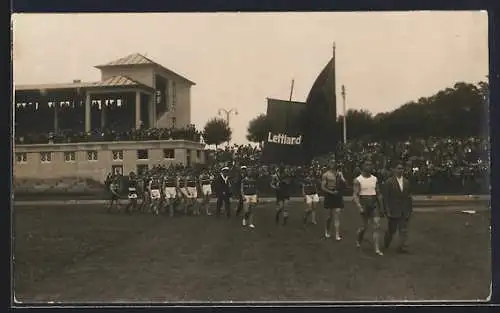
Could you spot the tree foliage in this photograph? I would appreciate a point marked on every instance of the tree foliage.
(257, 129)
(460, 111)
(216, 131)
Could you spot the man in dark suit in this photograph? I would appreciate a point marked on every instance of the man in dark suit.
(398, 207)
(223, 191)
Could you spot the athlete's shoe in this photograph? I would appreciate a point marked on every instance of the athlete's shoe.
(244, 222)
(251, 226)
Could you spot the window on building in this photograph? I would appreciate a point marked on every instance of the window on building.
(21, 157)
(117, 155)
(142, 154)
(198, 154)
(142, 169)
(92, 155)
(174, 122)
(69, 156)
(117, 169)
(45, 157)
(168, 153)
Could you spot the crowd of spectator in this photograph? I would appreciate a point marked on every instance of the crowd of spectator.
(187, 133)
(434, 165)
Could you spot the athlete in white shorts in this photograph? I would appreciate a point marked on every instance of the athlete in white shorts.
(250, 197)
(191, 193)
(205, 180)
(310, 192)
(155, 194)
(170, 183)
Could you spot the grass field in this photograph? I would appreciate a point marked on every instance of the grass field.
(81, 254)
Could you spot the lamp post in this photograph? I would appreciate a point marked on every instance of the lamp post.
(226, 114)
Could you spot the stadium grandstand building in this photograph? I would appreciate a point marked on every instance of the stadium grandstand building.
(134, 93)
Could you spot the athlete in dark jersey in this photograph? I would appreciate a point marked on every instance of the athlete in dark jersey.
(132, 192)
(114, 188)
(205, 180)
(145, 180)
(169, 189)
(237, 188)
(250, 197)
(281, 182)
(182, 192)
(155, 194)
(310, 193)
(192, 194)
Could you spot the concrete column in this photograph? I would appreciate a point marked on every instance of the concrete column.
(87, 112)
(152, 110)
(56, 120)
(103, 114)
(137, 110)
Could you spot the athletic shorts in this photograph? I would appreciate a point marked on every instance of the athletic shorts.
(281, 196)
(155, 194)
(114, 197)
(314, 198)
(206, 190)
(132, 193)
(334, 201)
(170, 192)
(369, 205)
(190, 192)
(250, 198)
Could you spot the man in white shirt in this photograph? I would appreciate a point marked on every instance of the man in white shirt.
(368, 199)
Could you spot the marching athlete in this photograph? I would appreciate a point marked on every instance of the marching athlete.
(332, 183)
(192, 194)
(132, 192)
(237, 188)
(310, 193)
(155, 194)
(114, 188)
(170, 184)
(250, 197)
(206, 180)
(145, 192)
(368, 199)
(182, 192)
(281, 182)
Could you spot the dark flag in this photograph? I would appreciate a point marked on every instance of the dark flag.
(283, 144)
(319, 120)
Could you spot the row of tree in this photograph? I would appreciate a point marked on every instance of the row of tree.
(458, 111)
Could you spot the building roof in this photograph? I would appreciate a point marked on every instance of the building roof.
(139, 59)
(115, 81)
(53, 86)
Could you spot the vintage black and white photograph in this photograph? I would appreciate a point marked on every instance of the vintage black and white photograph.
(251, 157)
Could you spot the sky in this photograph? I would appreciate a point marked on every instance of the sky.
(384, 59)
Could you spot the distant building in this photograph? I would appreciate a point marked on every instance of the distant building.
(96, 159)
(133, 92)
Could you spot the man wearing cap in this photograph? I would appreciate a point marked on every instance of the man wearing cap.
(222, 188)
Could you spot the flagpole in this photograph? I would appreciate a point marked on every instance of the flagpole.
(344, 117)
(291, 90)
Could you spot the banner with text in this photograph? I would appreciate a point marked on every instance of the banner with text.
(283, 144)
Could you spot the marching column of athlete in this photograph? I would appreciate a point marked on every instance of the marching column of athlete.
(165, 189)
